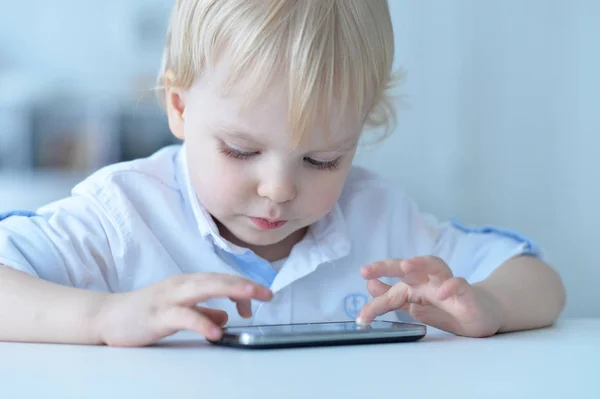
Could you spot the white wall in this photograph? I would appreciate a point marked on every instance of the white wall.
(501, 119)
(502, 123)
(93, 47)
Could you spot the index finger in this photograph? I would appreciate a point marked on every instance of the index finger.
(202, 287)
(436, 269)
(384, 268)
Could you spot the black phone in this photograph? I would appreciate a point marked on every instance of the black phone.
(320, 334)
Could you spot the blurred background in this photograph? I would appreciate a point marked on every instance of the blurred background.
(76, 91)
(499, 122)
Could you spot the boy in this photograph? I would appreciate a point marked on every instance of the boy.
(260, 215)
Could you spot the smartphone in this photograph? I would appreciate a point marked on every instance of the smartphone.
(319, 334)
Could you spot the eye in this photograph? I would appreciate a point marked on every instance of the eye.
(235, 153)
(329, 165)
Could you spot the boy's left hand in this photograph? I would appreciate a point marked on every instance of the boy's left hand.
(432, 295)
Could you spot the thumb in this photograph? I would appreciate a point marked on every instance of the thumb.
(217, 316)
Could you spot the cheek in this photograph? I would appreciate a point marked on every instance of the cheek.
(219, 183)
(222, 187)
(323, 195)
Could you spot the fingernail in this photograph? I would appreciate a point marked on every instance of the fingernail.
(360, 321)
(215, 333)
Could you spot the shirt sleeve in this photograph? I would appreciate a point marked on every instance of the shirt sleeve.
(71, 242)
(474, 252)
(471, 252)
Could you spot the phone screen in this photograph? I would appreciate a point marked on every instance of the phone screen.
(318, 328)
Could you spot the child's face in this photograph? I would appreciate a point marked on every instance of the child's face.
(261, 189)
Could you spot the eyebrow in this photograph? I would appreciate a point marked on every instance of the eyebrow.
(235, 132)
(346, 144)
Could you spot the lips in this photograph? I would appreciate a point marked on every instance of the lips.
(266, 224)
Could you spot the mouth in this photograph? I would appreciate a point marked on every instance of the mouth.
(266, 224)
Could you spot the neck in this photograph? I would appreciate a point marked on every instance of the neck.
(281, 249)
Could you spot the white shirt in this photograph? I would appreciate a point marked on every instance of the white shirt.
(135, 223)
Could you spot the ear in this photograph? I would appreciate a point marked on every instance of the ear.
(175, 103)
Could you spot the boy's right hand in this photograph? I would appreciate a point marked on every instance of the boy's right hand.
(145, 316)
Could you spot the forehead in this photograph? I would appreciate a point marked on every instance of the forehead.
(263, 111)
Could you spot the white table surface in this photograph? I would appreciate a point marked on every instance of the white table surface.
(559, 362)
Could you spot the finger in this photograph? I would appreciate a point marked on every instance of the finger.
(377, 288)
(416, 278)
(181, 318)
(384, 268)
(217, 316)
(403, 269)
(393, 299)
(244, 308)
(199, 288)
(457, 286)
(436, 269)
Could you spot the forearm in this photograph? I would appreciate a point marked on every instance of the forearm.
(530, 293)
(34, 310)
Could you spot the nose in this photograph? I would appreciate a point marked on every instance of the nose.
(278, 187)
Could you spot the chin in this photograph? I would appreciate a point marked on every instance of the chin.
(247, 235)
(262, 238)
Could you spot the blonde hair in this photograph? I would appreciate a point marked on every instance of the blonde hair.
(328, 50)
